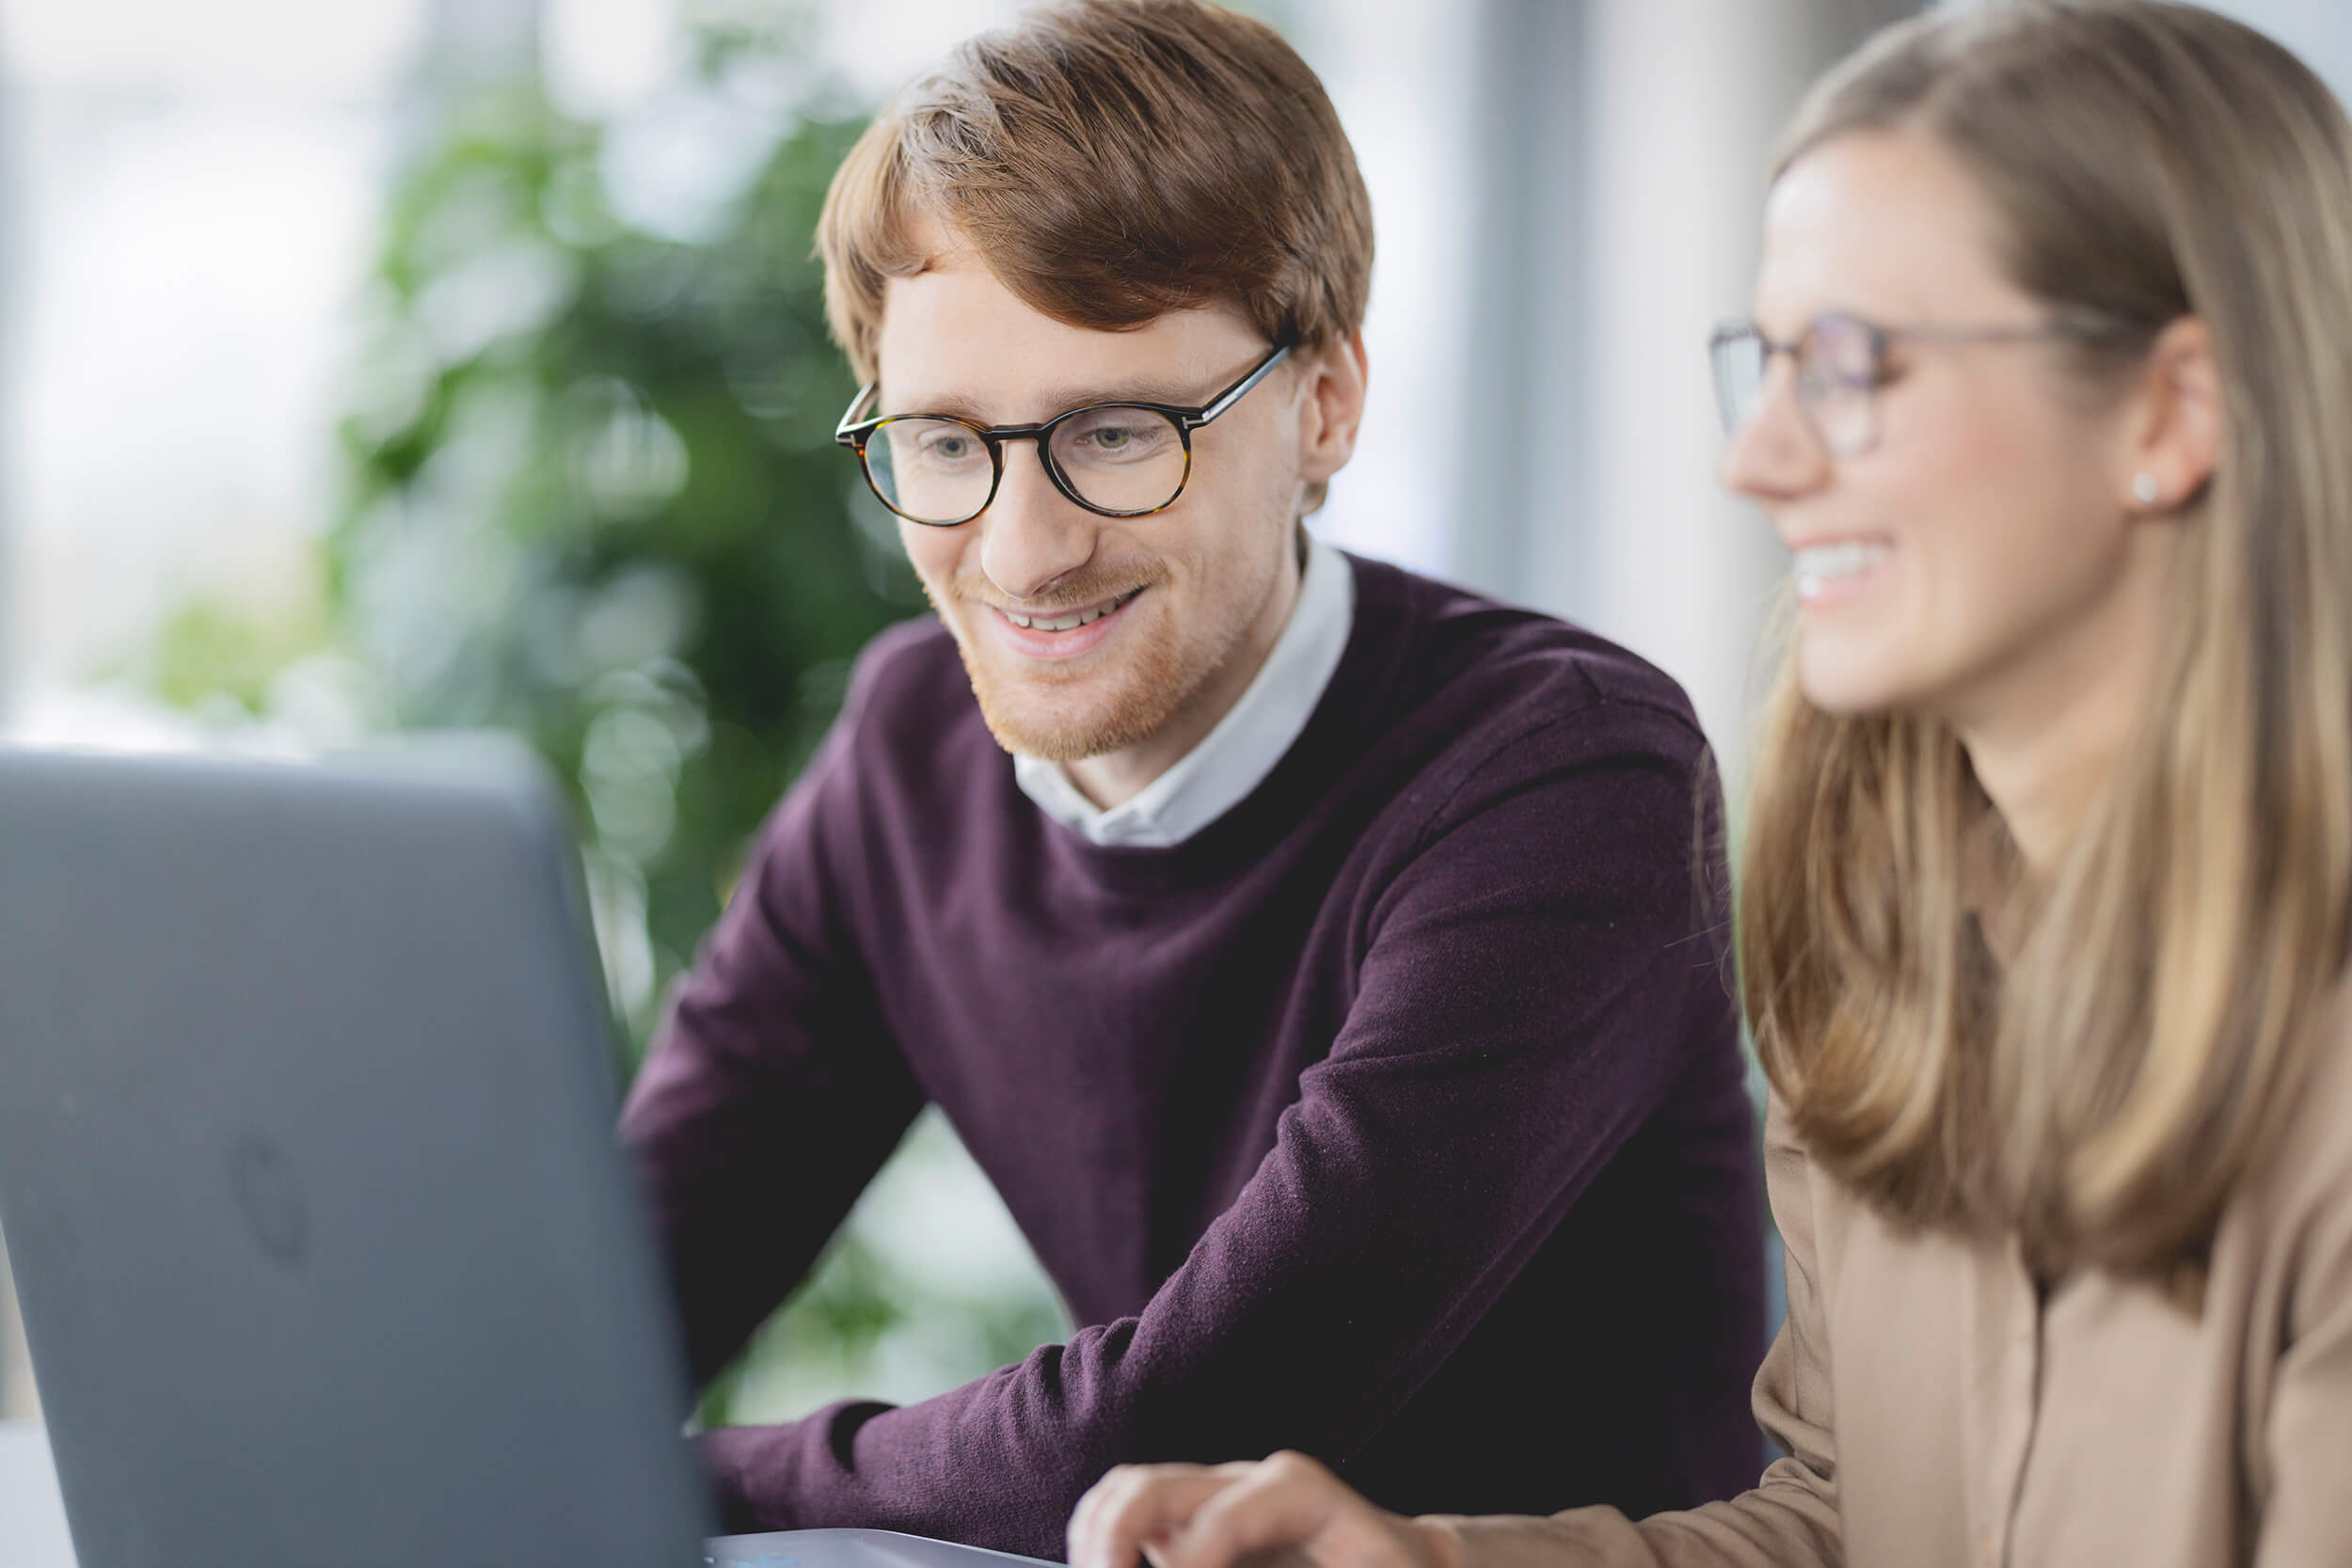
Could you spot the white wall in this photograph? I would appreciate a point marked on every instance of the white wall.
(1651, 177)
(1685, 98)
(1402, 75)
(2319, 30)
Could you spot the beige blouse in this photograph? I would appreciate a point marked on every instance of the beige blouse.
(1937, 1415)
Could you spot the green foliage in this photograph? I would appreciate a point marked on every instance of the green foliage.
(595, 501)
(210, 659)
(595, 498)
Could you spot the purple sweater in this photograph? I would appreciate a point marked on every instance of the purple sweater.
(1397, 1116)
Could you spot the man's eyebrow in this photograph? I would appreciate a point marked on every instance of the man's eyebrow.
(963, 405)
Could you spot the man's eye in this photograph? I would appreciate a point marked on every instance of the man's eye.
(1113, 438)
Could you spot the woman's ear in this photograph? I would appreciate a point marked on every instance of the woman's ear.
(2175, 433)
(1330, 409)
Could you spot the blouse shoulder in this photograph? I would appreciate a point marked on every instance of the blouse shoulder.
(2299, 1196)
(2314, 1155)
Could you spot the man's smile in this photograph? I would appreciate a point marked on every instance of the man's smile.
(1058, 634)
(1067, 619)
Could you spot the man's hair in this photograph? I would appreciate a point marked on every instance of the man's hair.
(1111, 161)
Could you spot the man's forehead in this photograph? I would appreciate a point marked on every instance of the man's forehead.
(955, 339)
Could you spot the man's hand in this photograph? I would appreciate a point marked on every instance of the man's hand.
(1285, 1508)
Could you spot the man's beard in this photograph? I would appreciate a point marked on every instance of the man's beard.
(1110, 711)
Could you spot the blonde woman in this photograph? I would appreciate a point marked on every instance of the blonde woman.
(2044, 912)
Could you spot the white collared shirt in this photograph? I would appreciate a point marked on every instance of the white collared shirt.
(1233, 758)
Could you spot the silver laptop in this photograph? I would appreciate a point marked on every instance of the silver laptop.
(326, 1249)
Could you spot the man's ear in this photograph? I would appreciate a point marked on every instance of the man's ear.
(2175, 434)
(1330, 409)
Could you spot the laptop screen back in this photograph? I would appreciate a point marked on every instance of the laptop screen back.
(325, 1248)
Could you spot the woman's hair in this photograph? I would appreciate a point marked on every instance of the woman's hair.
(2102, 1092)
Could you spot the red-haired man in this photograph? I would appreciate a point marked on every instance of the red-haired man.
(1310, 954)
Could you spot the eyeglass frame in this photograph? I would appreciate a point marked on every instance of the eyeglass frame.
(854, 433)
(1881, 339)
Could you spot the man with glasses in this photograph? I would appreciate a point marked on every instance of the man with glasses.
(1325, 965)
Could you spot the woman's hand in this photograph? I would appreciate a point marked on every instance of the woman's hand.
(1195, 1516)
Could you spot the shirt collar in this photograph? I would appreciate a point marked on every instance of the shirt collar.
(1233, 758)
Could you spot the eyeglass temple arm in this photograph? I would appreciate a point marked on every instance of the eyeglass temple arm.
(1239, 389)
(1223, 400)
(858, 406)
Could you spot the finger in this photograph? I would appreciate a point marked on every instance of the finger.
(1272, 1514)
(1132, 1505)
(1139, 1503)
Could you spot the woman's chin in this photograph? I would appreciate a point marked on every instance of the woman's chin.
(1849, 683)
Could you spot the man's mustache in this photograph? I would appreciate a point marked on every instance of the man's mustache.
(1077, 589)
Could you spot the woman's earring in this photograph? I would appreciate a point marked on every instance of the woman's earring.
(2145, 489)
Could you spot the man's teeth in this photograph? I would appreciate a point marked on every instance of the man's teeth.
(1071, 622)
(1817, 566)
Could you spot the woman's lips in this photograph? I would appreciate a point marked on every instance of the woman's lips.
(1834, 570)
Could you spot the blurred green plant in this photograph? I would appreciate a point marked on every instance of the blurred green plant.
(594, 500)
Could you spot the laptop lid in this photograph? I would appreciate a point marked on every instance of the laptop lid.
(325, 1248)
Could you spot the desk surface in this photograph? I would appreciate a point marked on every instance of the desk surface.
(33, 1532)
(32, 1516)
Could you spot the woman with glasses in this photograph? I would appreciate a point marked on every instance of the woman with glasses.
(2043, 915)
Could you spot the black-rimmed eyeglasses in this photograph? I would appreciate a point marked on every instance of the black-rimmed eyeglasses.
(1840, 362)
(1120, 459)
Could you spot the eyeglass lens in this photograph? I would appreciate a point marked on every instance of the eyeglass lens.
(1837, 376)
(1114, 458)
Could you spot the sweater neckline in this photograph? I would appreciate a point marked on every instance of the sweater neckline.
(1333, 735)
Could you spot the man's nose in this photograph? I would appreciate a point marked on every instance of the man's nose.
(1032, 535)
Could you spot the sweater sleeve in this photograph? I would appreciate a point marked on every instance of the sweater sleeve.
(1790, 1520)
(1533, 978)
(775, 1091)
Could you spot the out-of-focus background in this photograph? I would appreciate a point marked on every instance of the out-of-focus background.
(426, 362)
